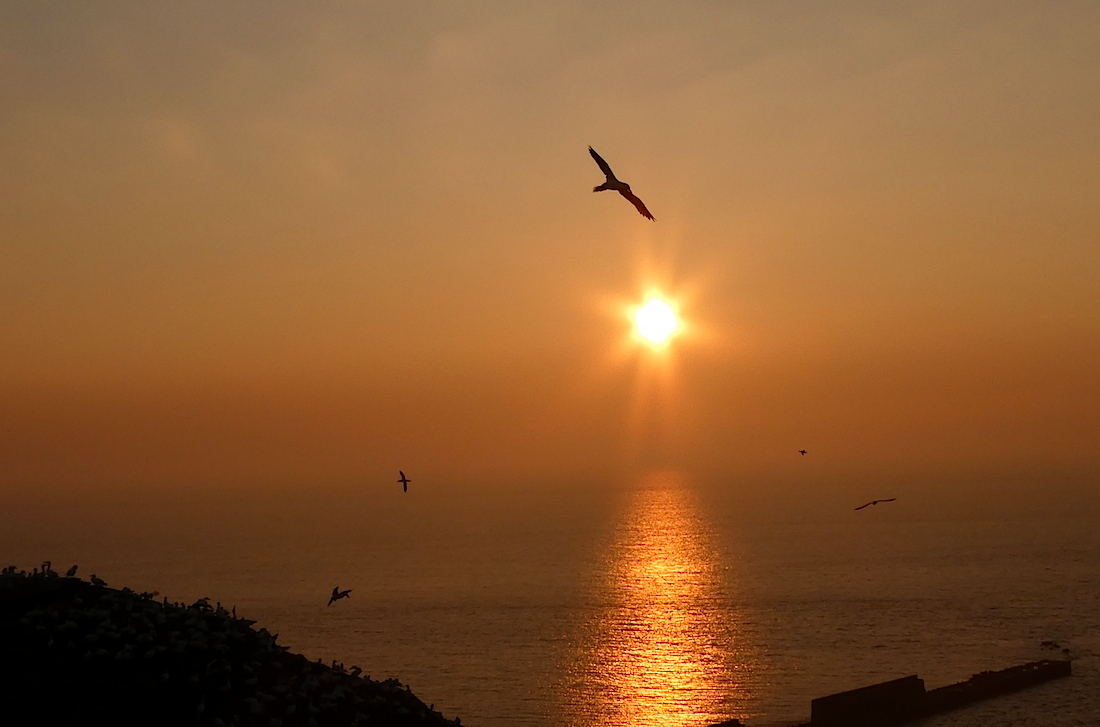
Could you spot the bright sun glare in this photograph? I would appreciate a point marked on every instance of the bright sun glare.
(656, 321)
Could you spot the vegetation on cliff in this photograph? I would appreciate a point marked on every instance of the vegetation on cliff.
(74, 652)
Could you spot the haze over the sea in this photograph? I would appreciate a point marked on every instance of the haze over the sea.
(278, 245)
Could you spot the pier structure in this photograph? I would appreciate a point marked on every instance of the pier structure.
(901, 700)
(905, 699)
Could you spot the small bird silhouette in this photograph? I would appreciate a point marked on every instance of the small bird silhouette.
(802, 452)
(71, 572)
(337, 594)
(404, 481)
(621, 187)
(875, 502)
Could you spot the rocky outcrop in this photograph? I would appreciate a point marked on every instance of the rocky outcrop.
(80, 653)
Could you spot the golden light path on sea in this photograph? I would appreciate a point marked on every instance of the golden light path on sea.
(665, 650)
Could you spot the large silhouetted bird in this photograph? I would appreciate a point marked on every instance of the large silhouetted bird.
(621, 187)
(404, 481)
(875, 502)
(337, 594)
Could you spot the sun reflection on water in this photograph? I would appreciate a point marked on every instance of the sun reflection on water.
(666, 649)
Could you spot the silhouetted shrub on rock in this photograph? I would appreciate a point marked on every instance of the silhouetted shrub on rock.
(74, 653)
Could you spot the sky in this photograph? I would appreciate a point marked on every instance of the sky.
(286, 244)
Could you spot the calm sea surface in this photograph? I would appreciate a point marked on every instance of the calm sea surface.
(656, 604)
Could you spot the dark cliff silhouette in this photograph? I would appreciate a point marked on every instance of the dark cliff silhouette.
(79, 654)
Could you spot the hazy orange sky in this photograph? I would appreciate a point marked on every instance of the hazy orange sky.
(315, 243)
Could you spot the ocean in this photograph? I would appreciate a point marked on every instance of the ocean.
(654, 604)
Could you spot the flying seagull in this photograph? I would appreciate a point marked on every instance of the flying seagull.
(621, 187)
(802, 452)
(337, 594)
(875, 502)
(404, 481)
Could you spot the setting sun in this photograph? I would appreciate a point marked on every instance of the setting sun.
(656, 321)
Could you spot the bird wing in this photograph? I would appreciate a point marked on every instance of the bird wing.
(637, 203)
(862, 506)
(603, 165)
(889, 499)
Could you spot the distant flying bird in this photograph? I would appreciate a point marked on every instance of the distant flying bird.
(802, 452)
(404, 481)
(621, 187)
(337, 594)
(875, 502)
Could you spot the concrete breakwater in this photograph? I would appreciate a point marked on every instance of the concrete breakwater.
(901, 700)
(74, 652)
